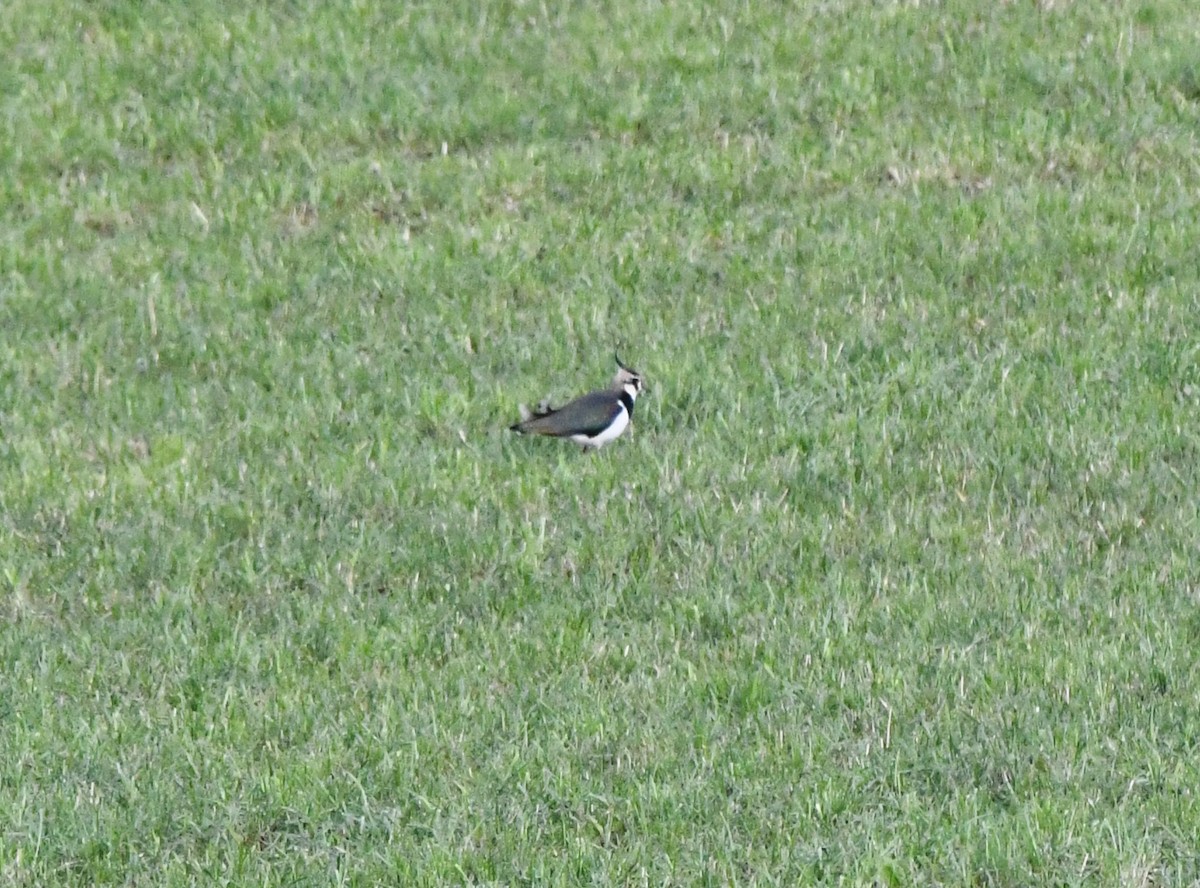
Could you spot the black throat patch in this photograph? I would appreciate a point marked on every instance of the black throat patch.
(627, 400)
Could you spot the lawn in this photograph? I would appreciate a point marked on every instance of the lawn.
(895, 580)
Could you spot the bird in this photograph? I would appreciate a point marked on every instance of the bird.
(591, 420)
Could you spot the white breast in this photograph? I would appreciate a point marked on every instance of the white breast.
(613, 431)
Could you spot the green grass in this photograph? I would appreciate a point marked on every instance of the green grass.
(894, 583)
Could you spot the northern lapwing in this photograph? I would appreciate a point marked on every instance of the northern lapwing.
(591, 420)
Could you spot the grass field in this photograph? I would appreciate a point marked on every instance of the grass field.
(896, 581)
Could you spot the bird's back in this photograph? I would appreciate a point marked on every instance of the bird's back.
(588, 414)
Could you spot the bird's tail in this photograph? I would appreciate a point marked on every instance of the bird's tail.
(527, 415)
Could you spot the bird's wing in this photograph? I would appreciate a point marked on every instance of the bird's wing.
(588, 415)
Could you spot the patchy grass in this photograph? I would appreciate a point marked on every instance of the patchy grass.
(893, 583)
